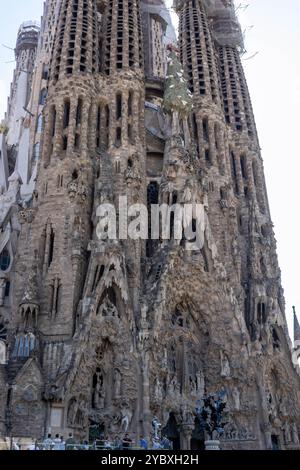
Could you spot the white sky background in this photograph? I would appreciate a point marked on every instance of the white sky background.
(274, 83)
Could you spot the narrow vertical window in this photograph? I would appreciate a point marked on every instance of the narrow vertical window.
(118, 141)
(234, 172)
(207, 156)
(65, 142)
(130, 101)
(107, 124)
(98, 128)
(53, 120)
(205, 130)
(66, 118)
(51, 247)
(77, 141)
(79, 112)
(119, 106)
(243, 166)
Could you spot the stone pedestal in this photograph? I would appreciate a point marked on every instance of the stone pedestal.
(212, 445)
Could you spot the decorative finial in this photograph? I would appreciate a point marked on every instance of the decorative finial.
(296, 326)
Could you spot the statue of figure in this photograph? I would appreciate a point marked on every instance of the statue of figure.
(236, 399)
(117, 383)
(133, 170)
(72, 411)
(187, 415)
(108, 309)
(243, 433)
(282, 407)
(271, 405)
(225, 367)
(99, 394)
(126, 417)
(233, 431)
(295, 434)
(156, 427)
(158, 390)
(287, 433)
(193, 386)
(174, 387)
(200, 383)
(165, 359)
(236, 253)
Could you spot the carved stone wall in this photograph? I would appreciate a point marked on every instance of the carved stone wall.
(128, 336)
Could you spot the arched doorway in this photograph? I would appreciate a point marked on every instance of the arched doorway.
(172, 433)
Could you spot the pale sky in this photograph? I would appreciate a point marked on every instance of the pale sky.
(272, 30)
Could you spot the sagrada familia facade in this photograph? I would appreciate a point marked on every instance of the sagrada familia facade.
(105, 336)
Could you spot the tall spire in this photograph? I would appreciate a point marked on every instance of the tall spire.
(123, 36)
(296, 326)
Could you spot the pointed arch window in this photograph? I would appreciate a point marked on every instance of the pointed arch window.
(43, 97)
(119, 106)
(66, 118)
(79, 112)
(243, 166)
(5, 260)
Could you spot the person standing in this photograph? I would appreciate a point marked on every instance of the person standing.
(70, 442)
(126, 442)
(57, 442)
(144, 443)
(48, 443)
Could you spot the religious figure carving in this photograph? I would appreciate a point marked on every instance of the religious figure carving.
(174, 387)
(108, 309)
(200, 383)
(72, 411)
(193, 386)
(126, 417)
(158, 390)
(117, 382)
(156, 427)
(236, 399)
(295, 434)
(133, 170)
(225, 367)
(287, 433)
(99, 393)
(231, 431)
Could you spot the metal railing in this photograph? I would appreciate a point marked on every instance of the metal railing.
(63, 446)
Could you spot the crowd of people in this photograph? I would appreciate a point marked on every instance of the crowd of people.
(58, 443)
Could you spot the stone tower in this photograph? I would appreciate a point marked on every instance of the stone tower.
(128, 335)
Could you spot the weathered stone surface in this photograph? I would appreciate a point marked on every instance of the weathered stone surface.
(123, 335)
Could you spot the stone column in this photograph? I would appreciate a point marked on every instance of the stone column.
(146, 395)
(186, 436)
